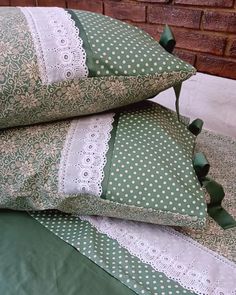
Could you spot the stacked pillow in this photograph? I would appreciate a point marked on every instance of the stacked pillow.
(133, 162)
(60, 63)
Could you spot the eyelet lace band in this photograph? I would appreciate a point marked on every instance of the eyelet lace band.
(180, 258)
(58, 45)
(84, 155)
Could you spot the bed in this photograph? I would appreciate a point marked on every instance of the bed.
(57, 253)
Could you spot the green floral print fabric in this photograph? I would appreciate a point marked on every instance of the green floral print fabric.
(26, 99)
(70, 166)
(221, 153)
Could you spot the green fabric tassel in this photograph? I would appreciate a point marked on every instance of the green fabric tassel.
(167, 39)
(196, 126)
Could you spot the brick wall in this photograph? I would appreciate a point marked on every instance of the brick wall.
(205, 30)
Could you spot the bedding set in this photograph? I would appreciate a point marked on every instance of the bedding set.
(84, 158)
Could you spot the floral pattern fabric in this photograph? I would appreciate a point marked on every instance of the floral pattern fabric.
(25, 100)
(221, 153)
(30, 167)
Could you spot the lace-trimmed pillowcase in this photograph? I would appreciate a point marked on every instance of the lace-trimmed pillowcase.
(61, 63)
(134, 164)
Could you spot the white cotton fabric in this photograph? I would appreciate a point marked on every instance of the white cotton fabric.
(180, 258)
(84, 155)
(58, 46)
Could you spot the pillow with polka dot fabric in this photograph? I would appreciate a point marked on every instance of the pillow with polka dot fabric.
(135, 163)
(59, 63)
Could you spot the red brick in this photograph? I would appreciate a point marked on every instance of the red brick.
(23, 2)
(213, 3)
(152, 29)
(217, 66)
(198, 41)
(181, 17)
(220, 21)
(187, 56)
(94, 6)
(154, 1)
(125, 11)
(57, 3)
(4, 2)
(232, 48)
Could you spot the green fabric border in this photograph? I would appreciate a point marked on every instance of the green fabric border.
(108, 254)
(109, 156)
(35, 261)
(86, 44)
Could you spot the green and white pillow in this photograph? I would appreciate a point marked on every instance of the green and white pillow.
(134, 164)
(58, 63)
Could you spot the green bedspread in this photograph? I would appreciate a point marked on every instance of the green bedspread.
(34, 261)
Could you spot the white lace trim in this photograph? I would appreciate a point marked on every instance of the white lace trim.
(58, 45)
(180, 258)
(84, 155)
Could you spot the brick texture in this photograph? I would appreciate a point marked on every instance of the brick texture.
(180, 17)
(154, 30)
(217, 66)
(4, 2)
(205, 30)
(154, 1)
(232, 49)
(23, 2)
(200, 41)
(94, 6)
(210, 3)
(58, 3)
(187, 56)
(125, 11)
(220, 21)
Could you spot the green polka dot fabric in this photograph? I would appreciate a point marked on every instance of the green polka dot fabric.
(122, 49)
(137, 167)
(151, 165)
(109, 255)
(84, 63)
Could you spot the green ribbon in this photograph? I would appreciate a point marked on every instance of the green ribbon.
(215, 191)
(177, 89)
(214, 208)
(167, 39)
(201, 165)
(196, 126)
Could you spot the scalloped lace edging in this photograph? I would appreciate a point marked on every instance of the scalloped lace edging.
(58, 46)
(84, 155)
(180, 258)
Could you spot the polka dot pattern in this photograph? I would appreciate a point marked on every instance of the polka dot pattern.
(122, 49)
(107, 253)
(152, 163)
